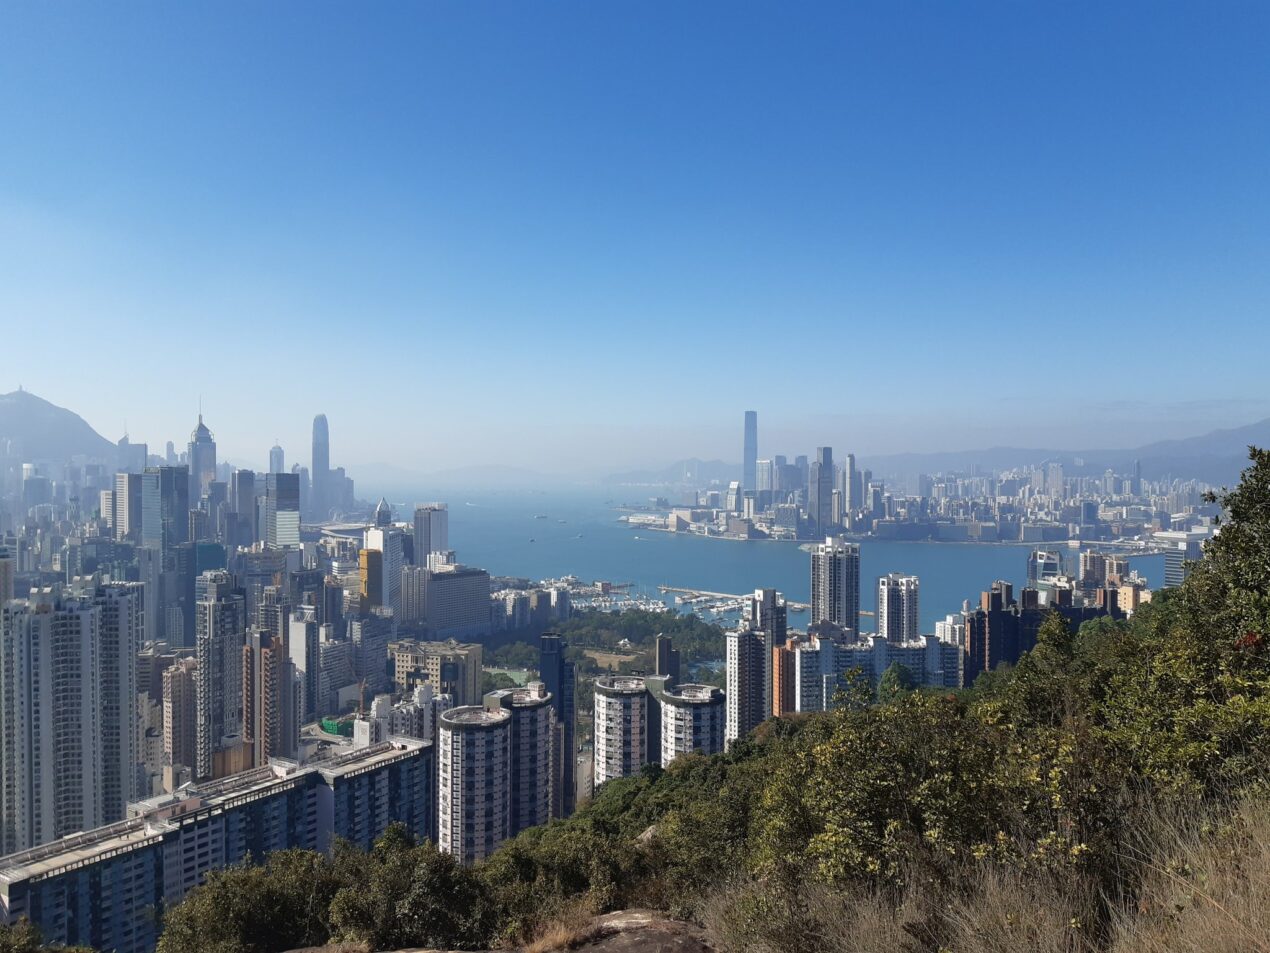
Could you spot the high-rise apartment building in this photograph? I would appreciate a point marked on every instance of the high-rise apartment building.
(835, 584)
(121, 634)
(101, 888)
(8, 567)
(51, 745)
(692, 718)
(473, 782)
(220, 630)
(180, 720)
(897, 615)
(621, 727)
(531, 753)
(271, 699)
(747, 698)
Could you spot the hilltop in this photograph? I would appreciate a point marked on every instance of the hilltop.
(39, 430)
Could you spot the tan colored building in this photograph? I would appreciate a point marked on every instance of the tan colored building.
(452, 667)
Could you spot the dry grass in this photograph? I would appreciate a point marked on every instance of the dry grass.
(570, 929)
(609, 660)
(1205, 889)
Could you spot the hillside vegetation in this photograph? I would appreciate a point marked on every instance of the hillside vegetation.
(1106, 794)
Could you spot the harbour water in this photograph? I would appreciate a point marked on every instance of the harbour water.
(545, 535)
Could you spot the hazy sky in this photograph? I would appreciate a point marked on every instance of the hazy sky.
(592, 234)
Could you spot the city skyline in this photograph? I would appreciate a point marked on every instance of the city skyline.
(988, 194)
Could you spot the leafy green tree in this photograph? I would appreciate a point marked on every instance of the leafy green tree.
(896, 680)
(25, 937)
(492, 681)
(280, 905)
(446, 906)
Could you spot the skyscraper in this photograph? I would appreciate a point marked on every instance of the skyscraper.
(321, 469)
(747, 698)
(282, 510)
(666, 658)
(621, 727)
(271, 690)
(50, 719)
(749, 454)
(820, 491)
(835, 584)
(180, 718)
(202, 460)
(165, 507)
(558, 675)
(431, 531)
(220, 629)
(390, 542)
(303, 645)
(277, 460)
(531, 755)
(692, 718)
(121, 605)
(127, 524)
(897, 617)
(473, 787)
(855, 488)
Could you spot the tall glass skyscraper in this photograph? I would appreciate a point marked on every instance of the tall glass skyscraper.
(749, 456)
(321, 501)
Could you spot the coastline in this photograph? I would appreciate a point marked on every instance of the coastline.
(858, 538)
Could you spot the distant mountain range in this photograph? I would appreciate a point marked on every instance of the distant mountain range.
(1217, 457)
(38, 430)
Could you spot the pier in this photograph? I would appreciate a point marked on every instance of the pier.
(707, 594)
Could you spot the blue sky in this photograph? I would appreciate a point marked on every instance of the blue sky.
(591, 234)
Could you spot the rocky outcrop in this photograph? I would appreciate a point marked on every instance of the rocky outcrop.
(627, 931)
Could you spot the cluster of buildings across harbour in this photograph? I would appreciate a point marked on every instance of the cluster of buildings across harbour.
(810, 497)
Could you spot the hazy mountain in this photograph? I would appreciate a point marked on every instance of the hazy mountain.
(1216, 457)
(38, 430)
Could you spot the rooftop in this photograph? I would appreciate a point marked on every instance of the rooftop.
(474, 716)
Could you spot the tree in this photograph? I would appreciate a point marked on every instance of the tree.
(281, 905)
(896, 680)
(25, 937)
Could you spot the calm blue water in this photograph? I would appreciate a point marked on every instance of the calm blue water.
(494, 531)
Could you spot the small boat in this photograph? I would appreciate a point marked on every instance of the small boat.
(531, 539)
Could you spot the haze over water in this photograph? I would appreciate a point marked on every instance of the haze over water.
(500, 532)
